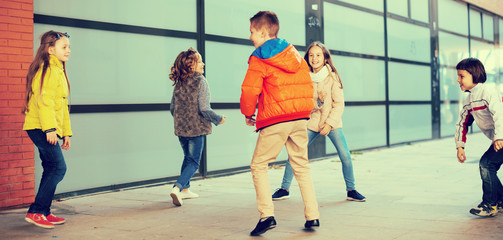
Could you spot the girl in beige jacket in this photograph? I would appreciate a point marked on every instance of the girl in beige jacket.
(326, 118)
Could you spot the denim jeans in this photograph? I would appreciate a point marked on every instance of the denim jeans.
(192, 150)
(489, 165)
(339, 141)
(54, 167)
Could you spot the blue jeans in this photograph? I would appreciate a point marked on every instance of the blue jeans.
(192, 150)
(339, 141)
(54, 167)
(489, 165)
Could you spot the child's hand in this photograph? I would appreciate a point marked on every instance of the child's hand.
(498, 144)
(66, 143)
(325, 130)
(250, 121)
(461, 155)
(52, 138)
(223, 120)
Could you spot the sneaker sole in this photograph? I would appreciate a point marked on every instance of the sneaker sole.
(176, 201)
(474, 212)
(38, 224)
(58, 223)
(281, 198)
(356, 200)
(263, 231)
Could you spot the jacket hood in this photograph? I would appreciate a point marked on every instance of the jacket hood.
(279, 53)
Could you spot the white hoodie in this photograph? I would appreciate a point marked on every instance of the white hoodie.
(484, 105)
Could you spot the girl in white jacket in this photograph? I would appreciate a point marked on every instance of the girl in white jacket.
(326, 117)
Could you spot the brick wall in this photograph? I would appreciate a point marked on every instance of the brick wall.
(17, 180)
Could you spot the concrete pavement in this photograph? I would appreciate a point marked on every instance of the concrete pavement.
(416, 191)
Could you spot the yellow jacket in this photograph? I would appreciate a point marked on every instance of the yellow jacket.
(48, 108)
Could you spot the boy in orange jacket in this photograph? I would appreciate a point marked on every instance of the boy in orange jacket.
(278, 79)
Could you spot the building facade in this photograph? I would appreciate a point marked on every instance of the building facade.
(396, 59)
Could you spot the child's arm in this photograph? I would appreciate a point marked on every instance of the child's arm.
(461, 155)
(337, 109)
(203, 99)
(251, 90)
(495, 106)
(465, 120)
(172, 104)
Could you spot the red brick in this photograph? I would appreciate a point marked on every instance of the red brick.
(16, 118)
(27, 140)
(9, 19)
(27, 52)
(10, 126)
(11, 172)
(27, 7)
(17, 88)
(10, 4)
(22, 178)
(29, 170)
(20, 28)
(8, 50)
(4, 188)
(27, 36)
(20, 43)
(4, 196)
(10, 65)
(29, 155)
(4, 180)
(3, 26)
(16, 186)
(11, 80)
(17, 73)
(4, 42)
(21, 163)
(4, 134)
(20, 13)
(11, 202)
(29, 199)
(16, 134)
(3, 73)
(29, 185)
(4, 149)
(25, 1)
(27, 21)
(10, 141)
(11, 96)
(21, 193)
(3, 88)
(9, 111)
(20, 58)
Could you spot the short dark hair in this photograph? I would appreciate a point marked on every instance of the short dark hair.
(267, 19)
(475, 68)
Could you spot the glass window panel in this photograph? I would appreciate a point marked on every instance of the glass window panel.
(399, 7)
(363, 79)
(232, 18)
(419, 10)
(452, 48)
(224, 150)
(449, 113)
(113, 67)
(127, 159)
(370, 4)
(226, 66)
(408, 41)
(352, 30)
(475, 24)
(409, 123)
(165, 14)
(453, 16)
(486, 53)
(449, 87)
(359, 131)
(488, 24)
(409, 82)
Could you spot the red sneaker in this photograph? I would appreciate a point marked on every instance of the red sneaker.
(39, 220)
(55, 220)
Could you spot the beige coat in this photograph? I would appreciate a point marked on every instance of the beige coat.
(330, 108)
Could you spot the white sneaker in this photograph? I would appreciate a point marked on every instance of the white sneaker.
(188, 194)
(176, 195)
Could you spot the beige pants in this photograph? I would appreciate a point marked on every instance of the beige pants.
(271, 140)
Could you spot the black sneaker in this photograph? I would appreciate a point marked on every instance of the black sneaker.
(312, 223)
(263, 225)
(354, 195)
(500, 206)
(280, 194)
(484, 210)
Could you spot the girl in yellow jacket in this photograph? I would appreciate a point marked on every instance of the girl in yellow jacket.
(47, 119)
(326, 118)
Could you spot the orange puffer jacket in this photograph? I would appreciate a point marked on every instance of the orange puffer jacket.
(278, 79)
